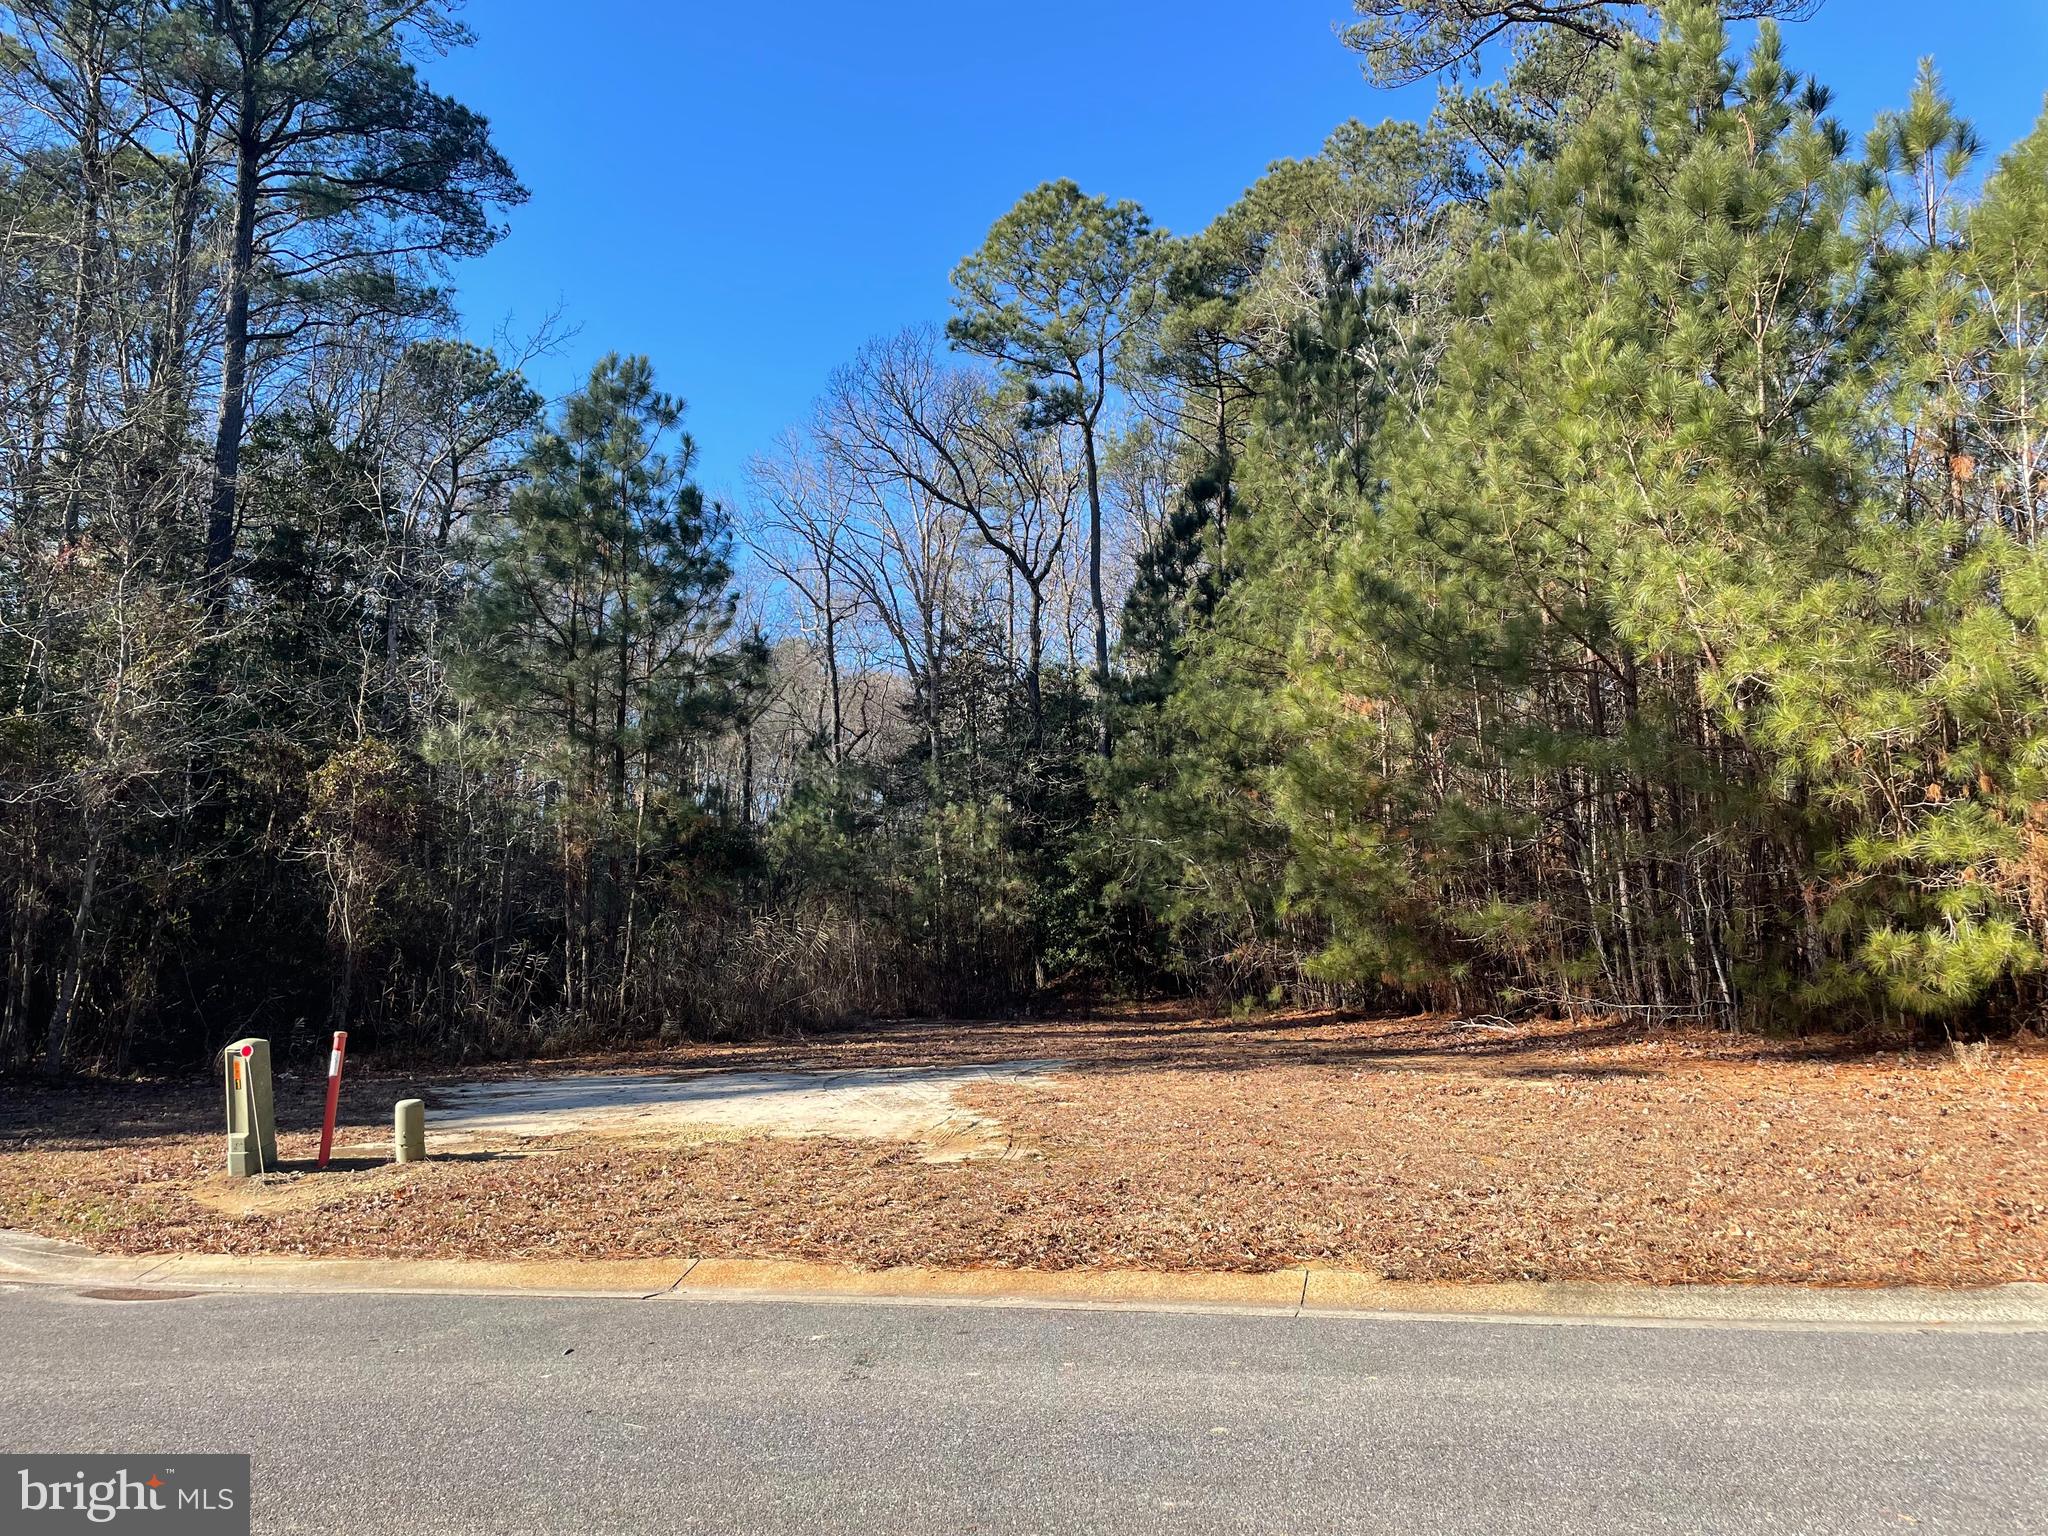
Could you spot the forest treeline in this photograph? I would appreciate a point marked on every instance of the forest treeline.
(1577, 552)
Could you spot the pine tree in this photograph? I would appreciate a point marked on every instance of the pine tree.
(1640, 423)
(598, 636)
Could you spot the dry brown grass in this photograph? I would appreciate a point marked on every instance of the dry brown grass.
(1412, 1147)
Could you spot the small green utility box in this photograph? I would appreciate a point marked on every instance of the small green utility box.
(252, 1122)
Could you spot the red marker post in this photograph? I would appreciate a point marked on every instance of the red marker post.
(333, 1093)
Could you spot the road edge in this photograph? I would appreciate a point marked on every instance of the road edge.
(1306, 1291)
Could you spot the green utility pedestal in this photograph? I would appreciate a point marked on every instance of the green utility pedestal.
(252, 1121)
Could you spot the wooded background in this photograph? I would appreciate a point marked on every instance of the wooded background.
(1579, 552)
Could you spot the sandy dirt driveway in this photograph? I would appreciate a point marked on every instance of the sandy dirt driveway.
(911, 1104)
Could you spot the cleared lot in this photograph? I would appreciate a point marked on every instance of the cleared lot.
(1416, 1147)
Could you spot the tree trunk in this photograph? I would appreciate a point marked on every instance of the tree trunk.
(74, 966)
(747, 772)
(169, 386)
(71, 448)
(632, 893)
(1224, 469)
(1095, 587)
(2033, 527)
(20, 946)
(234, 373)
(1033, 663)
(832, 673)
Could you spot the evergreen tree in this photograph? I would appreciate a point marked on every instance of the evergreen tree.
(598, 636)
(1210, 626)
(1641, 420)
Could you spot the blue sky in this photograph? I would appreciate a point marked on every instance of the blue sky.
(747, 192)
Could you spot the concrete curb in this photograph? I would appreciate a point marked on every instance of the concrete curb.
(1307, 1292)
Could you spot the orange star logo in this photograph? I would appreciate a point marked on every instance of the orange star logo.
(154, 1481)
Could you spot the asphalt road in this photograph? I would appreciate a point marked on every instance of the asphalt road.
(425, 1415)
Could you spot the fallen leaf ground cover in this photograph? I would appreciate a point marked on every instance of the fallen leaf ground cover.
(1418, 1148)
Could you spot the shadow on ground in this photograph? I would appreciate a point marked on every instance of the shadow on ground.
(1142, 1038)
